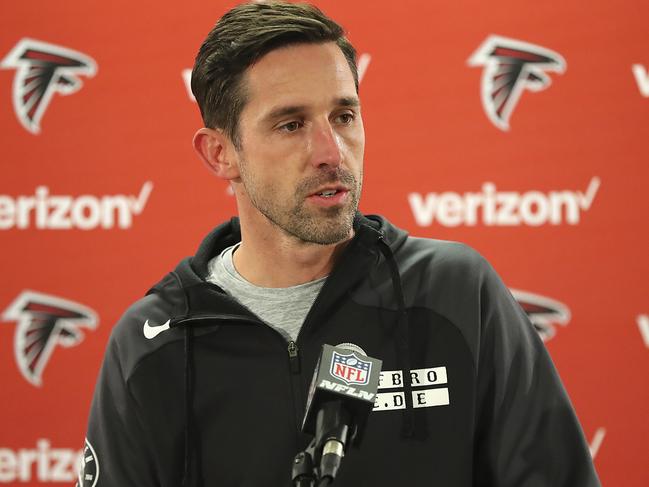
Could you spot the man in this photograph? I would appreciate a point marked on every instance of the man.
(205, 379)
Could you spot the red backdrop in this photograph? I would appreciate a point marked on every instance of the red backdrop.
(531, 146)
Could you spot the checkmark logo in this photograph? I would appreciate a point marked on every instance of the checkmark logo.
(152, 331)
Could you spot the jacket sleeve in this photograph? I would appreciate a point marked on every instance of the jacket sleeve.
(527, 433)
(117, 452)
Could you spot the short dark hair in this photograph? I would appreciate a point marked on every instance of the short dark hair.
(242, 36)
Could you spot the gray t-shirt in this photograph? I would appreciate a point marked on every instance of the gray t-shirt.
(282, 308)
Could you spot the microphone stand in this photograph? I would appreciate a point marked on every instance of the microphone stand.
(321, 459)
(303, 472)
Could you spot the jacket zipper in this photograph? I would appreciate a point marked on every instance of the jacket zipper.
(293, 351)
(294, 357)
(296, 387)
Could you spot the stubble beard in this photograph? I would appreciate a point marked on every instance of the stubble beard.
(322, 226)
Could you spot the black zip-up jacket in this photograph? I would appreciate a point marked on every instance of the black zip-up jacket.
(215, 397)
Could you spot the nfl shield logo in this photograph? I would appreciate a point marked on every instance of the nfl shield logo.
(350, 369)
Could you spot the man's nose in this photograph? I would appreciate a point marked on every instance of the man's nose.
(325, 146)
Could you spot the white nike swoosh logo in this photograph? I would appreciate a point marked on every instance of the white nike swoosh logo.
(153, 331)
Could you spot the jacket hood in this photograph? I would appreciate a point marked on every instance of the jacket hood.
(184, 294)
(368, 229)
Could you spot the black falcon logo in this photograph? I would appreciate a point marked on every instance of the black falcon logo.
(511, 66)
(45, 321)
(544, 313)
(43, 69)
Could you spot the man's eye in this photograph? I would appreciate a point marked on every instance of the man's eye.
(290, 127)
(345, 118)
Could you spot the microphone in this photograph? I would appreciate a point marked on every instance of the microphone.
(341, 397)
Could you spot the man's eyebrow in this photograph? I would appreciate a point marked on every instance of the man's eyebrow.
(284, 111)
(348, 101)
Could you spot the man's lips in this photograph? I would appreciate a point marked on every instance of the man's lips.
(329, 189)
(331, 196)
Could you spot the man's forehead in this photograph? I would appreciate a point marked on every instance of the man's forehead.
(300, 75)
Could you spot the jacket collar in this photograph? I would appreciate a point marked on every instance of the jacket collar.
(202, 298)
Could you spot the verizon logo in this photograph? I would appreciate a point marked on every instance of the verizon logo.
(491, 207)
(596, 443)
(45, 211)
(641, 78)
(43, 464)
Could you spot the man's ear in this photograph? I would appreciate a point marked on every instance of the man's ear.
(217, 152)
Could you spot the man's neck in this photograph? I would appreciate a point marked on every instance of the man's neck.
(282, 260)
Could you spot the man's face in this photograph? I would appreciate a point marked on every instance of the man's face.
(302, 142)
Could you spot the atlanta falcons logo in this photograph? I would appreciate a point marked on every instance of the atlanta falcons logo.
(43, 69)
(45, 321)
(511, 66)
(543, 312)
